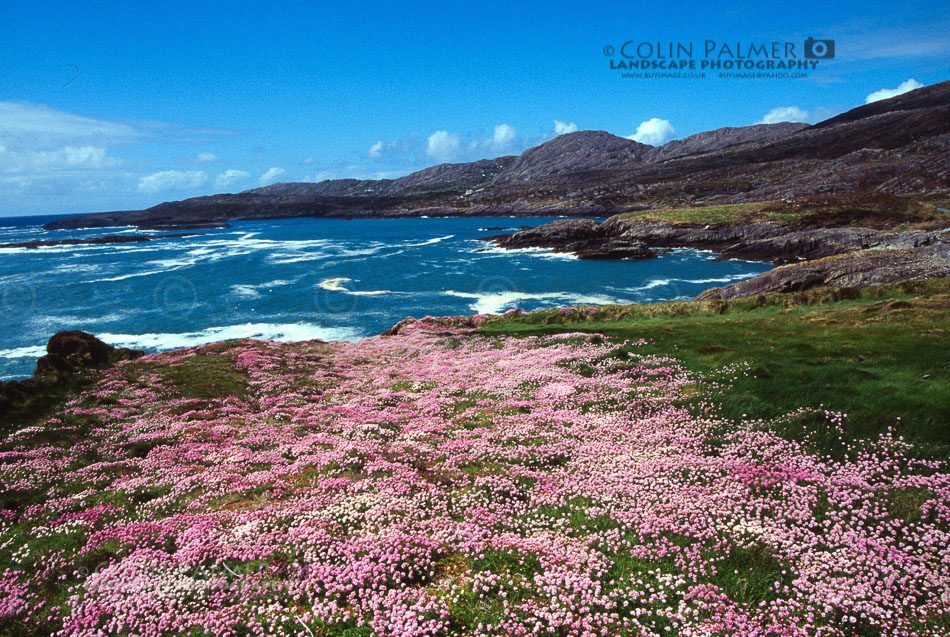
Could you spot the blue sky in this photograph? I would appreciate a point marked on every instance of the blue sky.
(124, 106)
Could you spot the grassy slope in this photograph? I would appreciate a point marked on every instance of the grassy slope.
(881, 355)
(808, 211)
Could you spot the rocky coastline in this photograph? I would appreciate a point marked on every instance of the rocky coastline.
(107, 239)
(847, 256)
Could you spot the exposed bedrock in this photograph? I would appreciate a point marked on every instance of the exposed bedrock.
(857, 269)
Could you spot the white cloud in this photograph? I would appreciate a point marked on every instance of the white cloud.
(205, 158)
(410, 148)
(229, 177)
(40, 163)
(40, 125)
(654, 131)
(785, 114)
(443, 146)
(172, 180)
(887, 93)
(41, 143)
(84, 156)
(560, 128)
(504, 136)
(271, 174)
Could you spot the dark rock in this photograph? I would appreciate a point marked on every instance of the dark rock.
(79, 348)
(764, 241)
(71, 350)
(66, 353)
(853, 270)
(586, 238)
(112, 238)
(51, 365)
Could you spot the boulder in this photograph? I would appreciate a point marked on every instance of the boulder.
(70, 350)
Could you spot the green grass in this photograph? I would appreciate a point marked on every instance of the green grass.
(854, 209)
(726, 213)
(211, 374)
(881, 355)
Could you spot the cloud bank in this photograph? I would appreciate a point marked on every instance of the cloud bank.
(172, 180)
(887, 93)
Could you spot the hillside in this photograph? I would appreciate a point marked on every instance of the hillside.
(899, 146)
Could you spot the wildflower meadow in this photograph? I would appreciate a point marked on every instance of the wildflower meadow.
(442, 481)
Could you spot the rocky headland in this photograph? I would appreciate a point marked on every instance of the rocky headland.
(849, 241)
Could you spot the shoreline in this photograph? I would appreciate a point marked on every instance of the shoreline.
(868, 246)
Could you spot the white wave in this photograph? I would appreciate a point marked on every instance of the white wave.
(301, 259)
(174, 264)
(724, 279)
(656, 283)
(73, 268)
(133, 275)
(245, 291)
(336, 285)
(55, 322)
(544, 253)
(30, 351)
(361, 252)
(429, 242)
(498, 302)
(285, 332)
(252, 291)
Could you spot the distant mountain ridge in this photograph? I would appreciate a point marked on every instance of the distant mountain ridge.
(466, 175)
(570, 152)
(895, 146)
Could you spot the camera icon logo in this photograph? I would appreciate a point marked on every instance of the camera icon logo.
(819, 49)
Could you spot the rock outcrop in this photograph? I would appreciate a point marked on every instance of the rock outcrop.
(72, 350)
(67, 354)
(857, 269)
(762, 241)
(586, 238)
(109, 238)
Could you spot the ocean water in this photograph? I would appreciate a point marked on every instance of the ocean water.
(304, 278)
